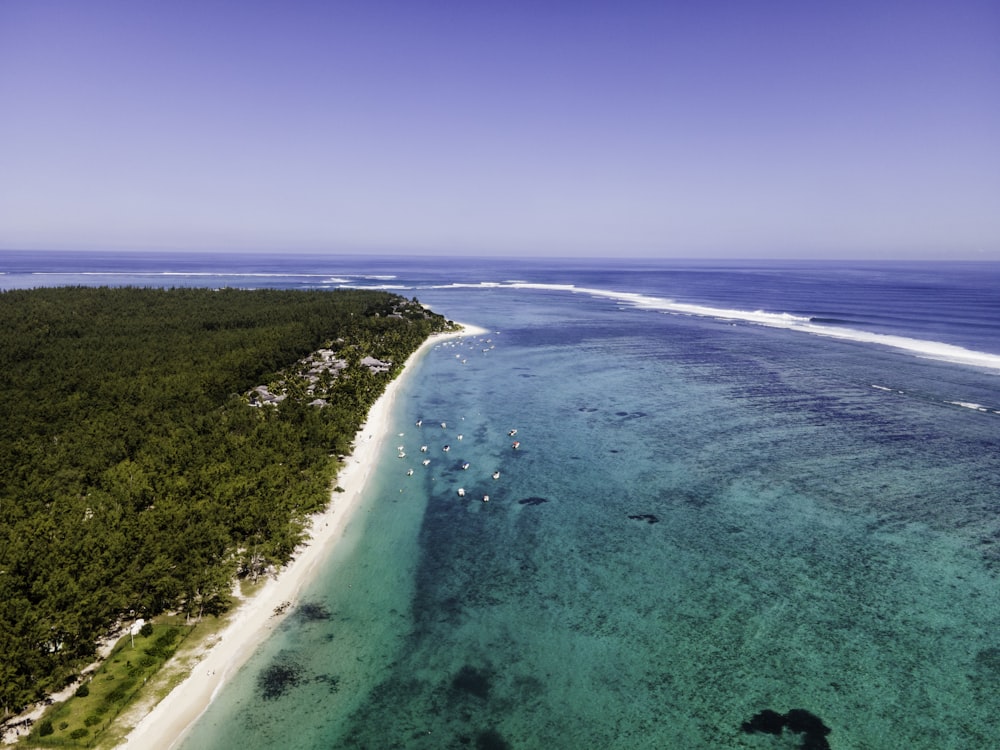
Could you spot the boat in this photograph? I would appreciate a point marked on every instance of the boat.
(486, 498)
(516, 444)
(419, 422)
(461, 491)
(496, 474)
(426, 461)
(460, 437)
(409, 472)
(423, 448)
(512, 433)
(465, 465)
(446, 448)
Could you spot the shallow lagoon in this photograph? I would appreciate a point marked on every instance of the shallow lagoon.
(800, 539)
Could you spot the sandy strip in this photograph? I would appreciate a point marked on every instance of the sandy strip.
(255, 618)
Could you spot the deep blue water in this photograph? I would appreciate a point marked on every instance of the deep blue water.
(951, 303)
(712, 511)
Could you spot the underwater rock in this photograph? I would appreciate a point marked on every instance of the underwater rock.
(797, 720)
(532, 501)
(491, 740)
(647, 517)
(814, 742)
(473, 681)
(801, 721)
(767, 721)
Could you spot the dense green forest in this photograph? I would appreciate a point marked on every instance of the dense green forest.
(138, 474)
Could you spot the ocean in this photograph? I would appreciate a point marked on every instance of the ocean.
(738, 487)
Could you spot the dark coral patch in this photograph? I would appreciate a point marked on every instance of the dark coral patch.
(814, 742)
(801, 721)
(472, 681)
(491, 740)
(767, 721)
(532, 501)
(798, 721)
(312, 612)
(278, 678)
(331, 680)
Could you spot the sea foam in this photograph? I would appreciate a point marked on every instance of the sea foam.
(930, 349)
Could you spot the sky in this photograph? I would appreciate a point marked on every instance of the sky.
(646, 129)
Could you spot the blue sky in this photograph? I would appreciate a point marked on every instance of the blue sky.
(672, 129)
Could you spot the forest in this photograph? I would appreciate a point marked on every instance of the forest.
(139, 474)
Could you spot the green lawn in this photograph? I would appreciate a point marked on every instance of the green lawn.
(80, 721)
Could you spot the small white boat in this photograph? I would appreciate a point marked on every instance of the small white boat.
(465, 466)
(446, 448)
(496, 474)
(460, 437)
(516, 444)
(444, 425)
(419, 422)
(461, 491)
(426, 461)
(402, 455)
(486, 498)
(423, 448)
(409, 472)
(512, 433)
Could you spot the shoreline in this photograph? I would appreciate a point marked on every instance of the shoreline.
(166, 724)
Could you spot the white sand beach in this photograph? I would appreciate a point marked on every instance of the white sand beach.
(255, 618)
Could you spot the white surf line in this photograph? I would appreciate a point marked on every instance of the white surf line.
(928, 349)
(964, 404)
(974, 406)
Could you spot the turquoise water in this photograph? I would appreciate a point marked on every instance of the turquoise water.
(703, 521)
(722, 515)
(709, 516)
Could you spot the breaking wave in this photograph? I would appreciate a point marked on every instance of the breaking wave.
(816, 326)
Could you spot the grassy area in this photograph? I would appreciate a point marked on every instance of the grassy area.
(139, 672)
(201, 638)
(101, 697)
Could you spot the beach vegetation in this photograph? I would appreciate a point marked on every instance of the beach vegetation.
(140, 470)
(133, 660)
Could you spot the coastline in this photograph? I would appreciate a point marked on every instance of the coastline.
(256, 617)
